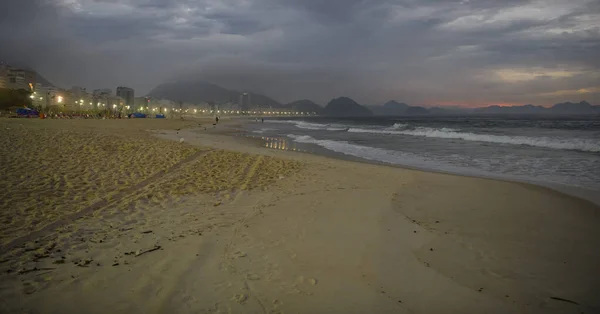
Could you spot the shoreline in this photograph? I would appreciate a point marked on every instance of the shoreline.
(581, 193)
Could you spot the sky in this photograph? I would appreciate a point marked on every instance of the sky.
(433, 52)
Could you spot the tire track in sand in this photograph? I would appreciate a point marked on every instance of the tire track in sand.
(236, 231)
(170, 290)
(97, 205)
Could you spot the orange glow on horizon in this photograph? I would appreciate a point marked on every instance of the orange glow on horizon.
(466, 104)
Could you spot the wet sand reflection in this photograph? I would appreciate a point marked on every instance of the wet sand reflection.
(280, 143)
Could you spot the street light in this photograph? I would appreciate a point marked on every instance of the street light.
(60, 99)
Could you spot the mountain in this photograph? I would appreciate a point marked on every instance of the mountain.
(345, 107)
(199, 91)
(304, 105)
(527, 109)
(394, 108)
(390, 108)
(582, 107)
(415, 111)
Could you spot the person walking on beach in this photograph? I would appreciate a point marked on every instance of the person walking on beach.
(262, 120)
(217, 119)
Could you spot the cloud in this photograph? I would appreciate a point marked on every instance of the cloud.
(468, 52)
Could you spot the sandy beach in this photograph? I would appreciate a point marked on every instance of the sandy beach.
(171, 216)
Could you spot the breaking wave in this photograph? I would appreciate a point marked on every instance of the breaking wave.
(311, 126)
(448, 133)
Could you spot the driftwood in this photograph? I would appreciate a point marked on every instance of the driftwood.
(25, 271)
(564, 300)
(147, 251)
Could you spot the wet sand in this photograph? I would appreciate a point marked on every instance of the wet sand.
(123, 217)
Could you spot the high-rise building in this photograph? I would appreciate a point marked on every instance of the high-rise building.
(245, 101)
(128, 97)
(102, 92)
(3, 75)
(17, 78)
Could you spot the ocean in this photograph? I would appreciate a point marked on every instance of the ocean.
(558, 152)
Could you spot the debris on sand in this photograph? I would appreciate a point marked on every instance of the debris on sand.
(140, 252)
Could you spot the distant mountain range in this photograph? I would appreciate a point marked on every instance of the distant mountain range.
(581, 108)
(345, 107)
(394, 108)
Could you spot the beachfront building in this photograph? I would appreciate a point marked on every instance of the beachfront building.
(3, 75)
(128, 96)
(17, 78)
(245, 102)
(41, 96)
(101, 99)
(228, 108)
(142, 104)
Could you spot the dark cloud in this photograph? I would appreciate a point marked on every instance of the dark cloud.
(415, 51)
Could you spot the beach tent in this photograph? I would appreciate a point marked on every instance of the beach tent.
(27, 112)
(138, 115)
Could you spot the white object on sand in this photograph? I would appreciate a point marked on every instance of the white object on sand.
(181, 140)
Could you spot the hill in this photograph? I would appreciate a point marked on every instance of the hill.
(345, 107)
(415, 111)
(582, 107)
(200, 91)
(390, 108)
(394, 108)
(304, 105)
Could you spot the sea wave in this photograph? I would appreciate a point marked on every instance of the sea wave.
(310, 125)
(374, 153)
(399, 126)
(448, 133)
(261, 131)
(371, 153)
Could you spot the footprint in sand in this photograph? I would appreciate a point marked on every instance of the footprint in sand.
(238, 254)
(301, 280)
(240, 298)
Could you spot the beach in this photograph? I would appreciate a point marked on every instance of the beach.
(172, 216)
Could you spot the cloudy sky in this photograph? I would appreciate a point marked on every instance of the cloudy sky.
(469, 52)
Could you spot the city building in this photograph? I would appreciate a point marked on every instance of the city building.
(141, 103)
(102, 91)
(21, 79)
(245, 101)
(17, 78)
(42, 95)
(81, 98)
(128, 97)
(79, 91)
(3, 75)
(101, 99)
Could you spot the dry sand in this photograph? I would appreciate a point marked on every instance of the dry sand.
(108, 216)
